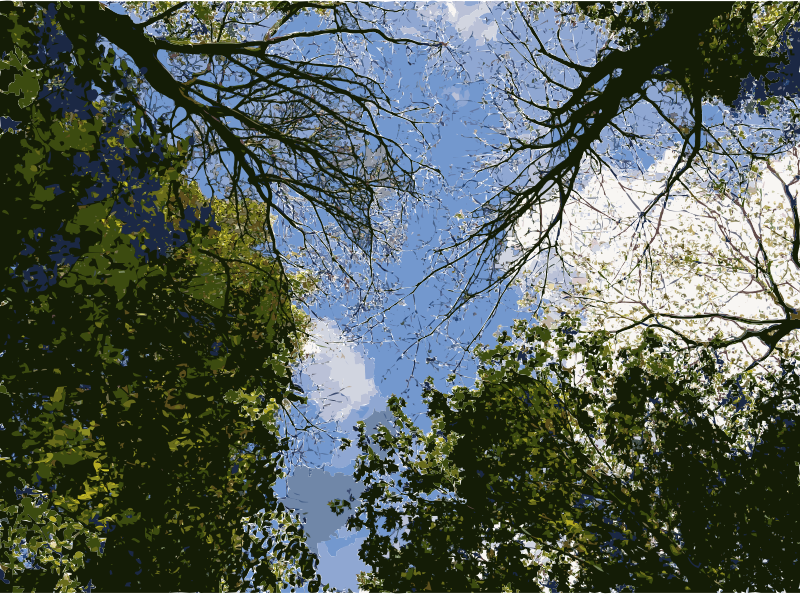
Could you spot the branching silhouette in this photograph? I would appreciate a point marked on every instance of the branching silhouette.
(653, 51)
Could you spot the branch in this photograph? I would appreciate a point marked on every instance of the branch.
(162, 16)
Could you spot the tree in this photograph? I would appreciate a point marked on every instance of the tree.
(652, 85)
(146, 346)
(283, 115)
(645, 472)
(718, 265)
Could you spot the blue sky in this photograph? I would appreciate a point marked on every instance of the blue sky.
(352, 370)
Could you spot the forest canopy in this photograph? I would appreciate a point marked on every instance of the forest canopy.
(189, 185)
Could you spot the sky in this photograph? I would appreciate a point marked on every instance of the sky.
(348, 374)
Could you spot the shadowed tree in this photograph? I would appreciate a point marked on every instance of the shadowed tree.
(659, 78)
(287, 115)
(145, 348)
(651, 472)
(283, 115)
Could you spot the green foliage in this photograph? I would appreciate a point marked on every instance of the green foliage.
(212, 22)
(639, 473)
(744, 39)
(147, 351)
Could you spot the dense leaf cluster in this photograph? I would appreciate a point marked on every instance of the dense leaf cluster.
(144, 347)
(648, 473)
(749, 48)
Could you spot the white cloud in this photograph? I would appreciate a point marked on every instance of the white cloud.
(464, 16)
(340, 372)
(460, 94)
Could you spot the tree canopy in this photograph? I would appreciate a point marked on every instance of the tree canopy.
(291, 117)
(662, 78)
(187, 178)
(293, 128)
(146, 350)
(648, 472)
